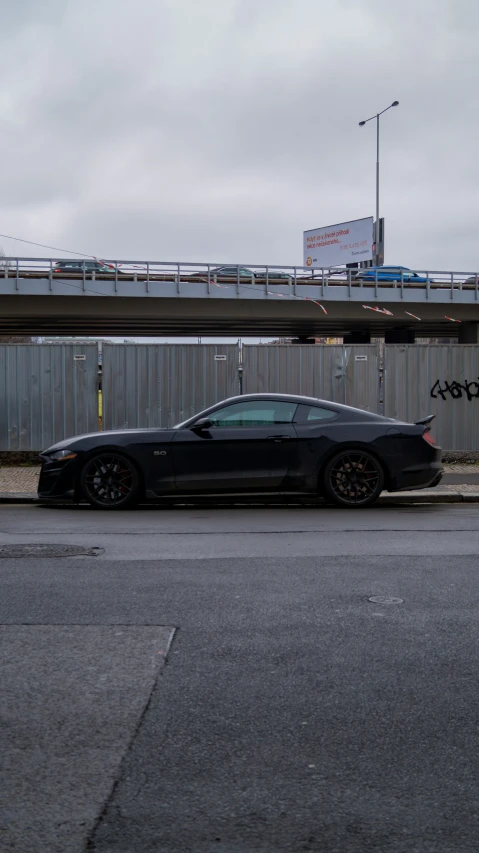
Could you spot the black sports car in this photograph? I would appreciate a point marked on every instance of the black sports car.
(254, 443)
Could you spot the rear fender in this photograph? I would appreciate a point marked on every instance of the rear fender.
(354, 445)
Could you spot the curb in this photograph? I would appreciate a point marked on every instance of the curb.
(18, 498)
(418, 497)
(387, 498)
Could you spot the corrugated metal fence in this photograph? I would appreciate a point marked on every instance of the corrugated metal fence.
(150, 385)
(344, 374)
(422, 379)
(47, 392)
(50, 391)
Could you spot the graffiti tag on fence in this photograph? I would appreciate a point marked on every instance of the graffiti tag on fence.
(456, 390)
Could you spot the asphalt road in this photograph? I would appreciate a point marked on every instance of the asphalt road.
(293, 713)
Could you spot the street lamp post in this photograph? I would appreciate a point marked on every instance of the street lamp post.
(361, 124)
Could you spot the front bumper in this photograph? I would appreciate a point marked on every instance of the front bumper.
(58, 480)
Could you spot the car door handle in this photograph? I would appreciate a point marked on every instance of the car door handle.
(278, 437)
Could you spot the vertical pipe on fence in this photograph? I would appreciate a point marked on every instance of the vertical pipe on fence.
(147, 276)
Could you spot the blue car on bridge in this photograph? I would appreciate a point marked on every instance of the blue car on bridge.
(394, 274)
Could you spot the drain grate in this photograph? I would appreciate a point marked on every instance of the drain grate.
(41, 550)
(386, 599)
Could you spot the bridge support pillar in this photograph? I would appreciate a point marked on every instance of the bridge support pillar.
(468, 333)
(400, 336)
(357, 338)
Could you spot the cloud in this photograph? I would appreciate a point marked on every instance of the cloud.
(220, 130)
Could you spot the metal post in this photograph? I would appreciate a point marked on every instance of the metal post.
(377, 191)
(361, 124)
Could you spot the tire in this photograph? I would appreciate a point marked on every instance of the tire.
(353, 478)
(109, 480)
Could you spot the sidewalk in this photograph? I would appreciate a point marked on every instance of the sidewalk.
(460, 484)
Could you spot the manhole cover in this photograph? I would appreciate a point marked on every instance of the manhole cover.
(385, 599)
(48, 551)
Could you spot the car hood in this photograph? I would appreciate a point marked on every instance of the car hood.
(108, 437)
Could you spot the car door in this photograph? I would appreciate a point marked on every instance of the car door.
(315, 430)
(249, 446)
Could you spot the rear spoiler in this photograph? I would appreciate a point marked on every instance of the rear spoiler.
(425, 421)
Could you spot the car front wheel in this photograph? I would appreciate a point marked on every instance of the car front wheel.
(353, 478)
(110, 481)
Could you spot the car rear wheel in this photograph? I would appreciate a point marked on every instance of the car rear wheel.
(110, 481)
(353, 478)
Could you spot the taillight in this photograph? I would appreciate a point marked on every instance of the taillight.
(428, 437)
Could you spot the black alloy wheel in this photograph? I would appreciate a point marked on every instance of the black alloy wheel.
(110, 481)
(353, 478)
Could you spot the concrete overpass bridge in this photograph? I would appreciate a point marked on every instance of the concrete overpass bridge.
(41, 296)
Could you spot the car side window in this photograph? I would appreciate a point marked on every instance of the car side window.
(254, 413)
(309, 414)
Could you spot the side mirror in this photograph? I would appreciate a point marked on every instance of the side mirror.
(203, 423)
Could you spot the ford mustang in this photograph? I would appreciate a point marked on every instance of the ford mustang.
(254, 443)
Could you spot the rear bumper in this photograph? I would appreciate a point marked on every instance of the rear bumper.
(417, 477)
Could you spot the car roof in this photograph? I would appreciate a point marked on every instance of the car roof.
(308, 401)
(388, 267)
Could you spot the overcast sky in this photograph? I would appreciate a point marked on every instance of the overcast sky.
(218, 130)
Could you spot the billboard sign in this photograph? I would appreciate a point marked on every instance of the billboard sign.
(337, 245)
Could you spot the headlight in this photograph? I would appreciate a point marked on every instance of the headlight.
(61, 455)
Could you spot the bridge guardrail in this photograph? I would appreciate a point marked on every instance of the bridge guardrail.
(239, 276)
